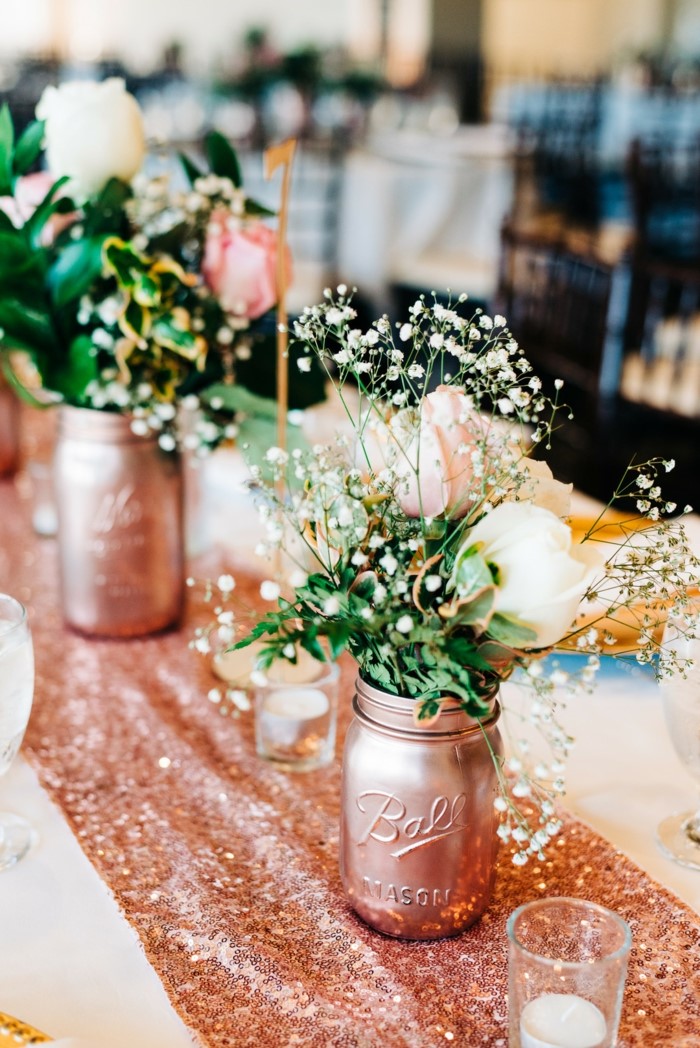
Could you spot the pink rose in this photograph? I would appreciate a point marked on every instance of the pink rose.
(30, 190)
(239, 265)
(434, 461)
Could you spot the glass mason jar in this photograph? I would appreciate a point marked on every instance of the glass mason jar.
(9, 429)
(418, 839)
(120, 526)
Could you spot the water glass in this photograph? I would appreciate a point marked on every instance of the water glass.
(295, 715)
(43, 500)
(679, 834)
(16, 693)
(567, 964)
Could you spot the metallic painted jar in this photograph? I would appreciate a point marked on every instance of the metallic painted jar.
(120, 526)
(9, 429)
(418, 837)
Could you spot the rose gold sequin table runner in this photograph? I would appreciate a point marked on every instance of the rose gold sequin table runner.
(227, 868)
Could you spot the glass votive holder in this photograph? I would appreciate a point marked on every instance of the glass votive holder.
(296, 714)
(43, 502)
(567, 964)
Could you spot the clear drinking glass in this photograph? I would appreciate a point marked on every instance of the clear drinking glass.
(295, 716)
(16, 693)
(679, 834)
(567, 965)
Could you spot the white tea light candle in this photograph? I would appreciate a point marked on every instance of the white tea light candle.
(295, 721)
(561, 1020)
(289, 715)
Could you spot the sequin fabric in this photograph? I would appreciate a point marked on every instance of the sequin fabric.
(228, 868)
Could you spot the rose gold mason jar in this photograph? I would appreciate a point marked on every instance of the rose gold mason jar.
(120, 532)
(9, 429)
(418, 827)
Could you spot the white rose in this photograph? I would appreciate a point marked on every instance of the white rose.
(94, 132)
(542, 574)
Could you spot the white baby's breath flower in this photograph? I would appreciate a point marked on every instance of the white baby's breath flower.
(405, 332)
(389, 563)
(404, 624)
(269, 590)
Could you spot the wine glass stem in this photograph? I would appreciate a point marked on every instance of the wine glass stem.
(692, 827)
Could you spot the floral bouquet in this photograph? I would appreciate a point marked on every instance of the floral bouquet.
(126, 294)
(434, 546)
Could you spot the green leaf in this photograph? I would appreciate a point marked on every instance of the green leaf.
(169, 334)
(26, 326)
(222, 158)
(238, 398)
(76, 268)
(471, 572)
(258, 433)
(28, 147)
(474, 610)
(309, 642)
(15, 254)
(106, 213)
(254, 207)
(509, 631)
(7, 141)
(6, 225)
(126, 263)
(190, 168)
(70, 373)
(37, 220)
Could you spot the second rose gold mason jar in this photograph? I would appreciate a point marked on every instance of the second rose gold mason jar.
(120, 531)
(418, 837)
(9, 429)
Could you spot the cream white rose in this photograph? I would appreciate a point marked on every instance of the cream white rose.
(542, 574)
(94, 132)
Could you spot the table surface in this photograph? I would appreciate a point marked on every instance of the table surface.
(73, 966)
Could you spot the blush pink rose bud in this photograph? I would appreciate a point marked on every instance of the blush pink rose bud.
(239, 265)
(434, 463)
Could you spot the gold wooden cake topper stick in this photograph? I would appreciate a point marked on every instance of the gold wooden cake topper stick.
(277, 156)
